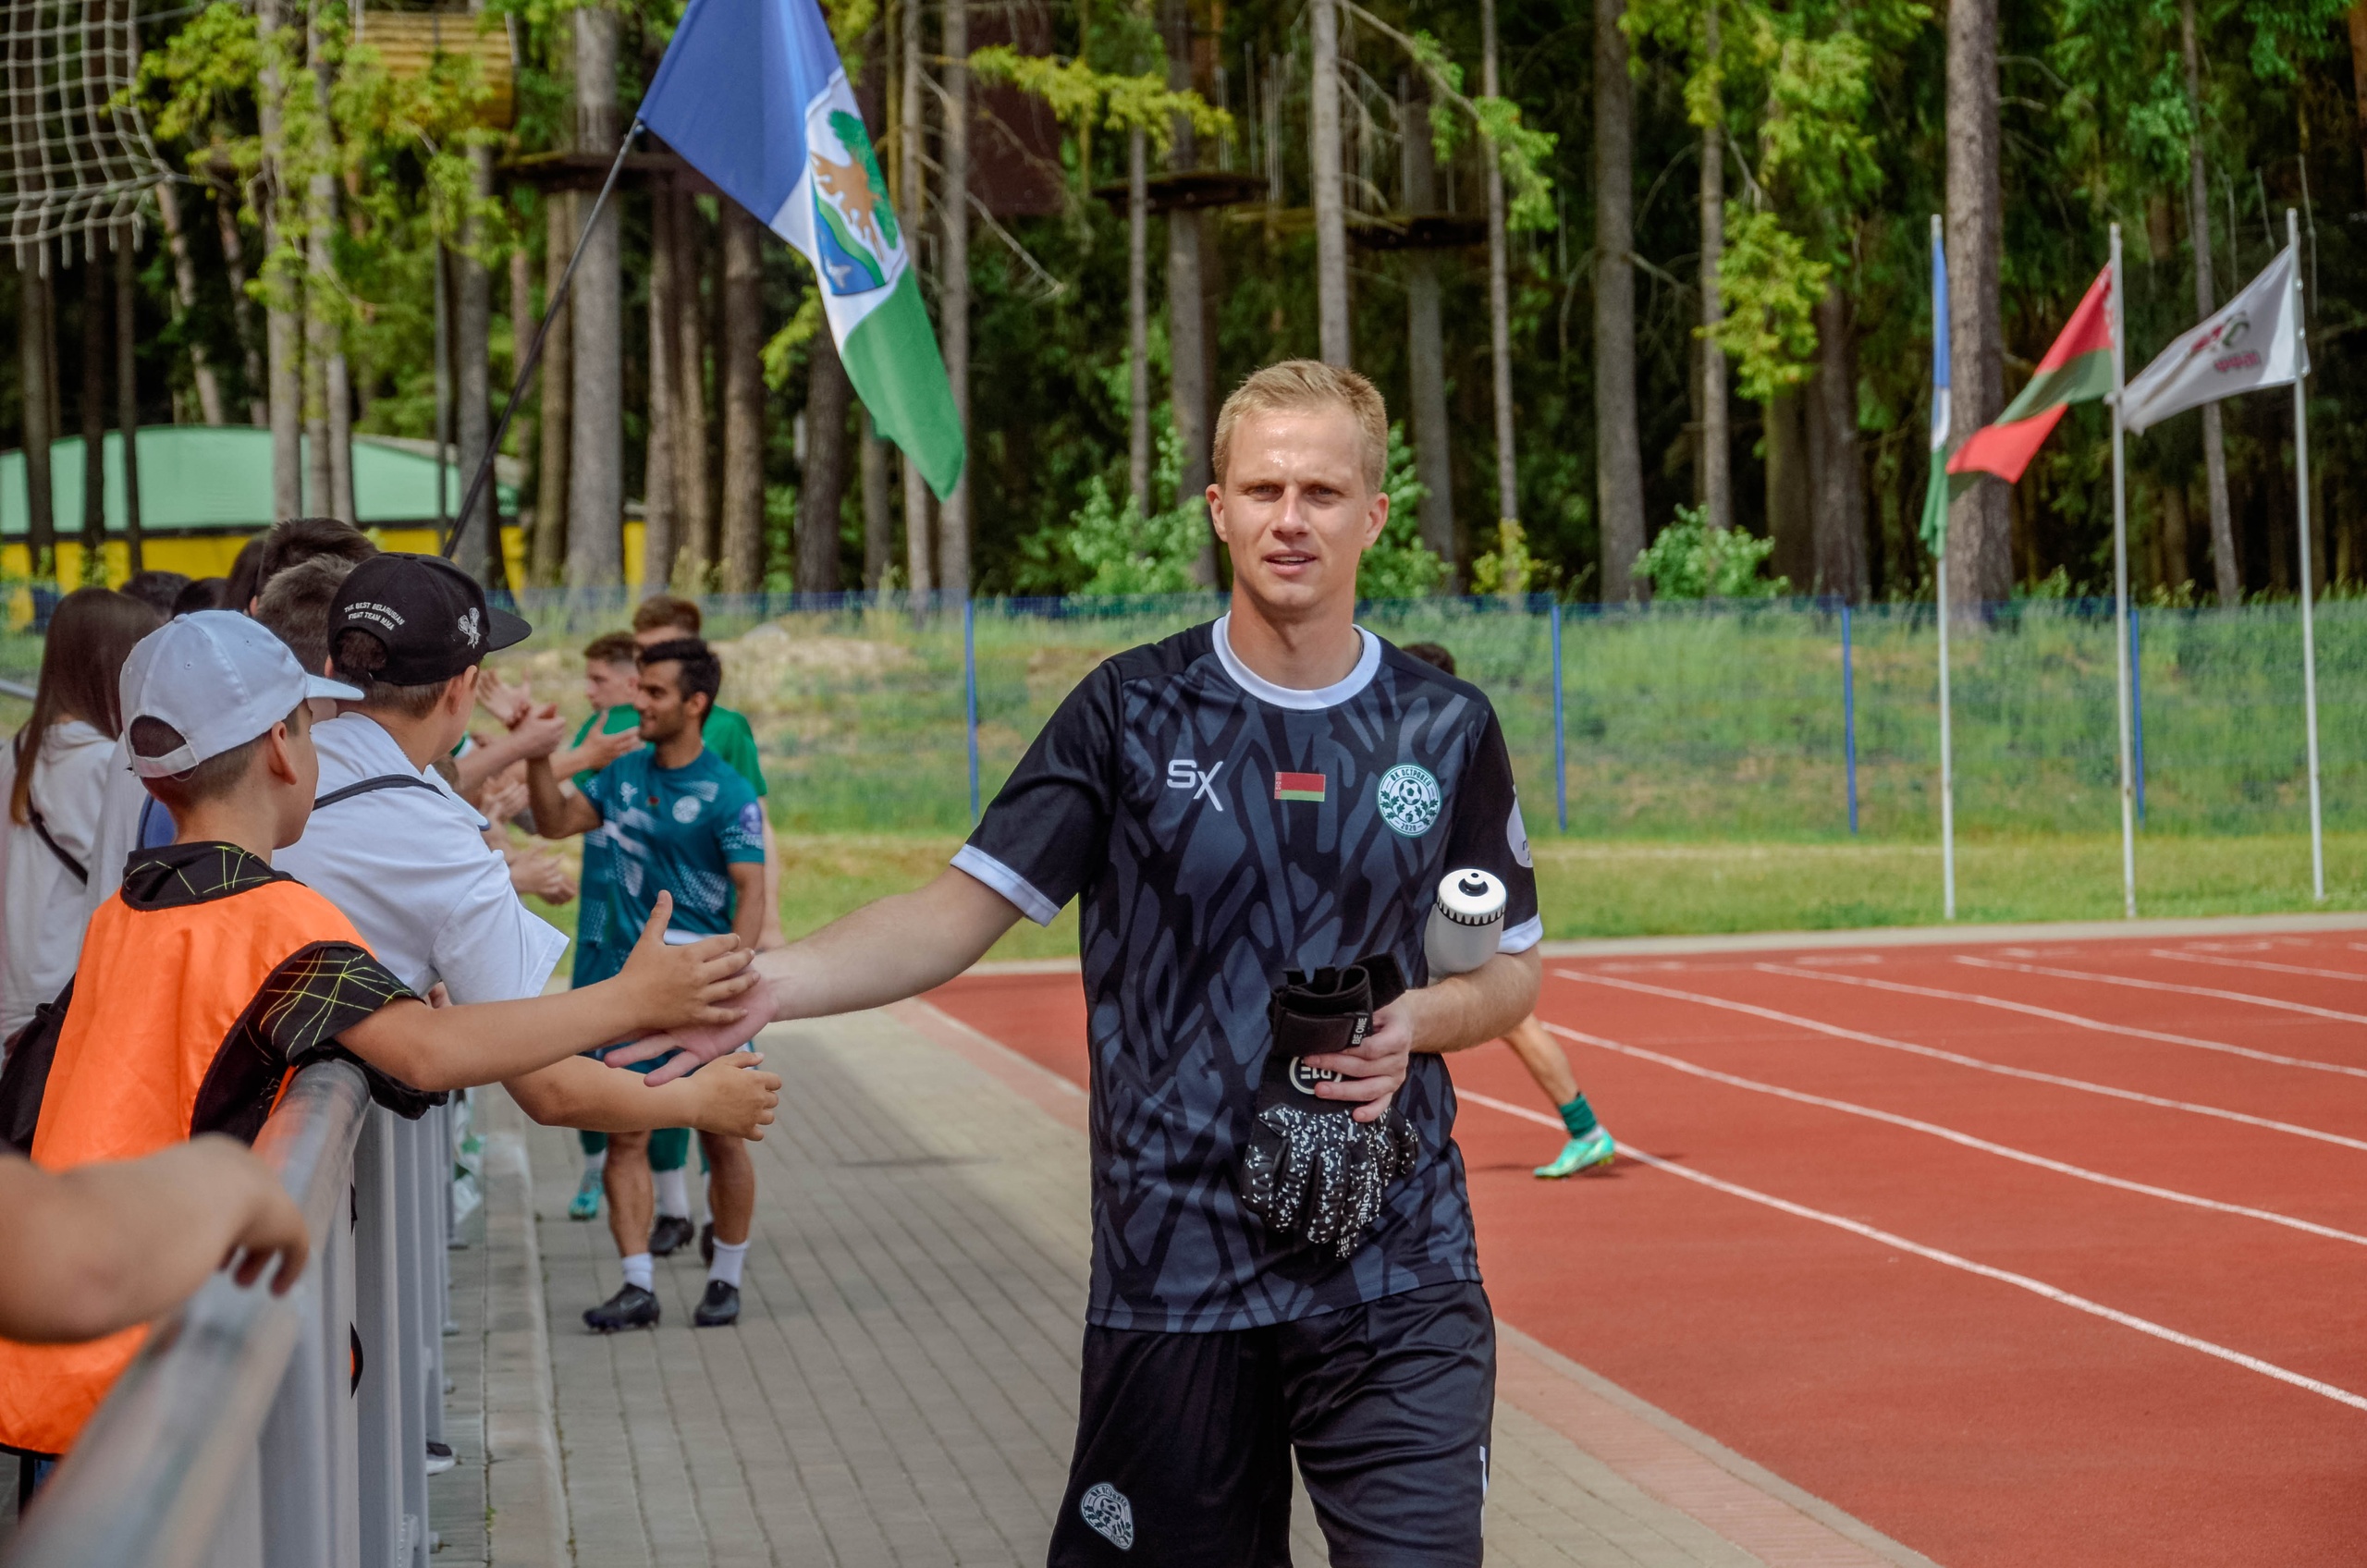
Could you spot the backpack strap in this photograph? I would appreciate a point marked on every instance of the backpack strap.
(25, 1078)
(32, 814)
(368, 786)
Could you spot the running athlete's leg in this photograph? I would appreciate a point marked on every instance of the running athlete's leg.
(1543, 1056)
(1391, 1406)
(1589, 1144)
(1181, 1458)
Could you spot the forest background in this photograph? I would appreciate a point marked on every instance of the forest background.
(1799, 146)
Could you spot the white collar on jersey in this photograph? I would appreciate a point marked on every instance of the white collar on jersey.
(1265, 691)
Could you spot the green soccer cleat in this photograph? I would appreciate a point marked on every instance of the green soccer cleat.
(1582, 1154)
(586, 1204)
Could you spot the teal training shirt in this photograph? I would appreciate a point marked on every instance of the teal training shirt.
(591, 934)
(678, 830)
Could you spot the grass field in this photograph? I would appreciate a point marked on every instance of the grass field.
(1631, 888)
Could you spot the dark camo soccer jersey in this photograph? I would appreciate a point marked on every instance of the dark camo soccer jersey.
(1220, 832)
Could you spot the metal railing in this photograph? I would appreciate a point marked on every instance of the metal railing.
(285, 1431)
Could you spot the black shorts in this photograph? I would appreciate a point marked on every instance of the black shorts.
(1183, 1441)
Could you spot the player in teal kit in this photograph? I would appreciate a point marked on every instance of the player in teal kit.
(678, 819)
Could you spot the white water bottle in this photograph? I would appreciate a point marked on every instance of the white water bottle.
(1466, 923)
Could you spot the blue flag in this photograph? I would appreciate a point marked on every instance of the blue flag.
(753, 95)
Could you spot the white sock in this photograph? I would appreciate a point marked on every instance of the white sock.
(727, 1262)
(673, 1192)
(640, 1271)
(594, 1164)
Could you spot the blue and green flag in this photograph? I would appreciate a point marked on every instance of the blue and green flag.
(753, 95)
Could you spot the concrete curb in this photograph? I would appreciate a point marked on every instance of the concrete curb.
(525, 1495)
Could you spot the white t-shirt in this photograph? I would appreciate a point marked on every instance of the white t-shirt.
(410, 868)
(121, 799)
(44, 905)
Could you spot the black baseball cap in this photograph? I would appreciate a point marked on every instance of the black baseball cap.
(429, 615)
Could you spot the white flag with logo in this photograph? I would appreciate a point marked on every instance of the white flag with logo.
(2250, 345)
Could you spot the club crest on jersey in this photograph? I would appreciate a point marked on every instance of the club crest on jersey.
(1105, 1508)
(1409, 799)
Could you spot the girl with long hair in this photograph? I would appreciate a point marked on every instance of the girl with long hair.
(57, 770)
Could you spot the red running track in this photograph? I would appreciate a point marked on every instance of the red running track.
(2021, 1255)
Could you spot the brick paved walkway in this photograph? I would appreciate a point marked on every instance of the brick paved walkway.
(902, 1387)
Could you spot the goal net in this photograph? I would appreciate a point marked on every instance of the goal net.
(78, 158)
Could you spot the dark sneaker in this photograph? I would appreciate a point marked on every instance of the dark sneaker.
(631, 1307)
(439, 1457)
(668, 1235)
(719, 1307)
(706, 1243)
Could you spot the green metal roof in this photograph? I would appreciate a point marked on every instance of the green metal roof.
(205, 479)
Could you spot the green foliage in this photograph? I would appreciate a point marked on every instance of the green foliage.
(1522, 152)
(1772, 288)
(1507, 568)
(1692, 560)
(1082, 97)
(1122, 551)
(1398, 565)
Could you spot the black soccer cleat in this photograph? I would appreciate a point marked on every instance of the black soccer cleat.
(631, 1308)
(667, 1236)
(719, 1307)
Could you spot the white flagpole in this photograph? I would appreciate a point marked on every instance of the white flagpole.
(1947, 775)
(2301, 513)
(2120, 596)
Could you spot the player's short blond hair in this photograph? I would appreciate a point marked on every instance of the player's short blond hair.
(1299, 386)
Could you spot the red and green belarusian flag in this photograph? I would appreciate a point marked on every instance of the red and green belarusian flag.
(1299, 786)
(2077, 370)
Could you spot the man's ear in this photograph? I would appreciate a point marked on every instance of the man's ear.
(1216, 511)
(1377, 519)
(280, 752)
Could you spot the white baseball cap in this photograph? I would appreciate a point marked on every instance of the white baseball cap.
(221, 680)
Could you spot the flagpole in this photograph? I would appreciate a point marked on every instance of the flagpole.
(2120, 595)
(2301, 515)
(1947, 773)
(534, 357)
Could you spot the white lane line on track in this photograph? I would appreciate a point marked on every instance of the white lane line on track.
(1797, 1022)
(1965, 1139)
(2004, 1276)
(2187, 957)
(2279, 1003)
(2073, 1019)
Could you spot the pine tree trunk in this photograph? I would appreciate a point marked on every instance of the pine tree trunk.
(920, 574)
(828, 398)
(1619, 461)
(1839, 526)
(1790, 480)
(320, 332)
(1981, 560)
(201, 365)
(742, 392)
(953, 522)
(695, 521)
(336, 374)
(1717, 457)
(661, 485)
(127, 399)
(98, 321)
(1324, 174)
(36, 328)
(2177, 557)
(1187, 318)
(478, 548)
(1138, 320)
(2359, 69)
(1426, 347)
(2224, 565)
(283, 326)
(242, 315)
(1500, 303)
(878, 527)
(595, 473)
(556, 376)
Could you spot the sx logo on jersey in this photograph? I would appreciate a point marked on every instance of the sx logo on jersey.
(1185, 774)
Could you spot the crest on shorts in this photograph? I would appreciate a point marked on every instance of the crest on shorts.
(1105, 1508)
(1409, 799)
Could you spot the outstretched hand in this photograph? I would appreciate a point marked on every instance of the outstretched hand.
(738, 1098)
(681, 987)
(700, 1043)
